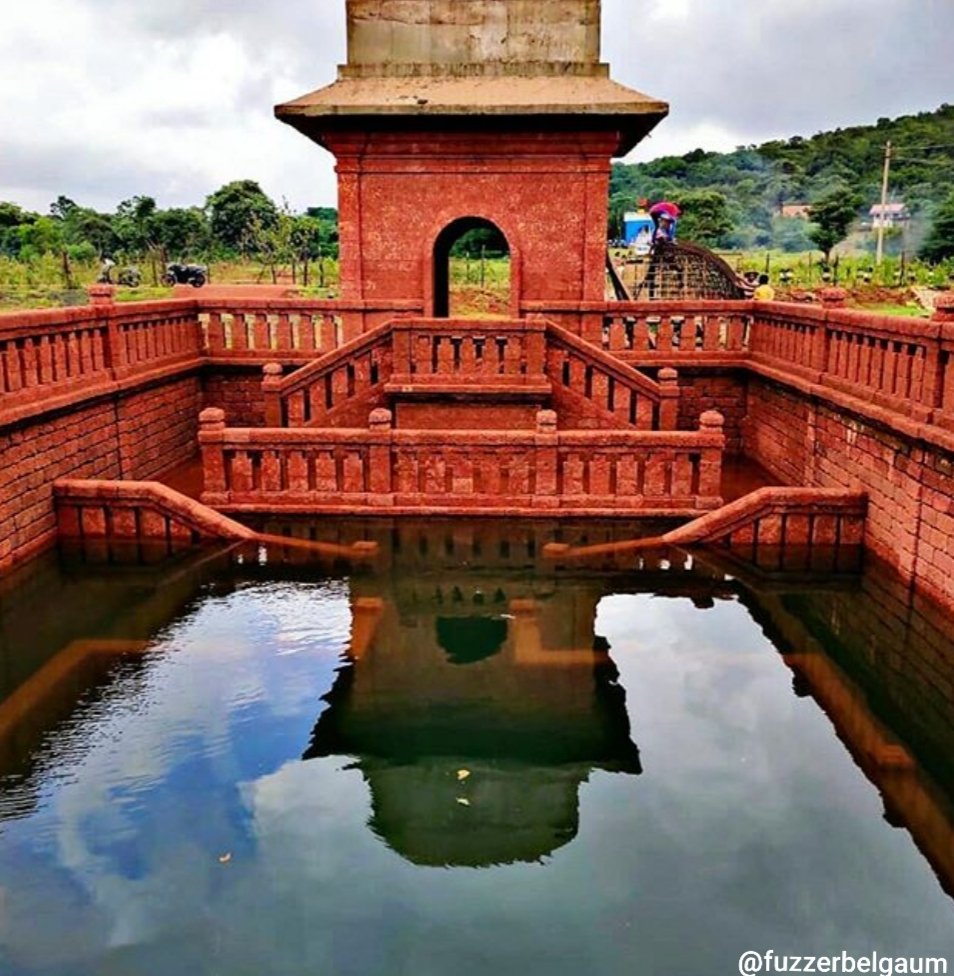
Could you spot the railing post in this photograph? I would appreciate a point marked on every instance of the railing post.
(211, 442)
(271, 390)
(380, 461)
(103, 297)
(710, 463)
(545, 461)
(944, 389)
(669, 399)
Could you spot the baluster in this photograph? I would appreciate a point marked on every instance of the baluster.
(445, 355)
(296, 409)
(903, 376)
(11, 359)
(45, 367)
(30, 372)
(297, 473)
(326, 473)
(600, 476)
(327, 333)
(241, 481)
(682, 476)
(916, 385)
(239, 332)
(271, 472)
(304, 332)
(283, 333)
(424, 360)
(657, 470)
(215, 334)
(627, 477)
(617, 334)
(468, 357)
(513, 359)
(353, 469)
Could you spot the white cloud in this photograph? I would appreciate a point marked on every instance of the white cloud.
(102, 99)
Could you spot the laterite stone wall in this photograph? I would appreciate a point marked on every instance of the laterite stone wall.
(910, 522)
(135, 435)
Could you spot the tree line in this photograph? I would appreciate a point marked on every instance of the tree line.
(735, 200)
(238, 221)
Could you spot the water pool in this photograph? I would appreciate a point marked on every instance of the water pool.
(461, 760)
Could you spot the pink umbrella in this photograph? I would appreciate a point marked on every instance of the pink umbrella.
(666, 207)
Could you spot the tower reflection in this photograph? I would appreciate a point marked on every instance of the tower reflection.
(475, 708)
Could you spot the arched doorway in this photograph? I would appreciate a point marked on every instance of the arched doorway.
(472, 270)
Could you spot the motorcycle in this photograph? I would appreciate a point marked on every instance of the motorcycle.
(186, 274)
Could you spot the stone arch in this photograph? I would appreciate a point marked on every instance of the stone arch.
(437, 260)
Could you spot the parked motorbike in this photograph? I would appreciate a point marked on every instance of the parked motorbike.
(130, 277)
(186, 274)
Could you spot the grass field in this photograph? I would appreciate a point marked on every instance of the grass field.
(482, 287)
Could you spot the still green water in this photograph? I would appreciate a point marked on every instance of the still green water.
(462, 760)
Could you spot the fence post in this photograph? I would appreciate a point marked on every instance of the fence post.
(710, 462)
(669, 399)
(545, 460)
(212, 441)
(380, 461)
(272, 392)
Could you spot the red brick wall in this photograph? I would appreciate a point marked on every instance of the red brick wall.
(724, 391)
(237, 391)
(136, 435)
(910, 513)
(546, 191)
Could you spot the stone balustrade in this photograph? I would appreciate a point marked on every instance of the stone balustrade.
(531, 472)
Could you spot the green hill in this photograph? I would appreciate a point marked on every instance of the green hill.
(755, 181)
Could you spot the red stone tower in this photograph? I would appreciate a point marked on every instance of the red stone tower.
(456, 113)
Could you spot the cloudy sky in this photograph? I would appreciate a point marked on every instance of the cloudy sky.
(103, 99)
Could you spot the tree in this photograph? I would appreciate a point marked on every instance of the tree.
(238, 214)
(831, 217)
(181, 233)
(939, 243)
(705, 217)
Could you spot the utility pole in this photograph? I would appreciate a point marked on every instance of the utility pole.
(884, 202)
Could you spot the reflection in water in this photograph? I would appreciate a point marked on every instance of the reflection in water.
(477, 765)
(155, 808)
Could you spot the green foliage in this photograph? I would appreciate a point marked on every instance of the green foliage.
(831, 217)
(705, 217)
(481, 241)
(939, 244)
(757, 180)
(238, 213)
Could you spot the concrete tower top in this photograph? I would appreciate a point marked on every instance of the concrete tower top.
(477, 63)
(400, 37)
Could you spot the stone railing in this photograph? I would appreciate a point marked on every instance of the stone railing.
(450, 353)
(290, 330)
(505, 472)
(317, 394)
(615, 389)
(768, 517)
(659, 332)
(889, 363)
(49, 357)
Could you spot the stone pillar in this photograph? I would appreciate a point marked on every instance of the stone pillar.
(380, 480)
(101, 294)
(211, 442)
(669, 404)
(710, 465)
(545, 460)
(944, 308)
(833, 297)
(271, 390)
